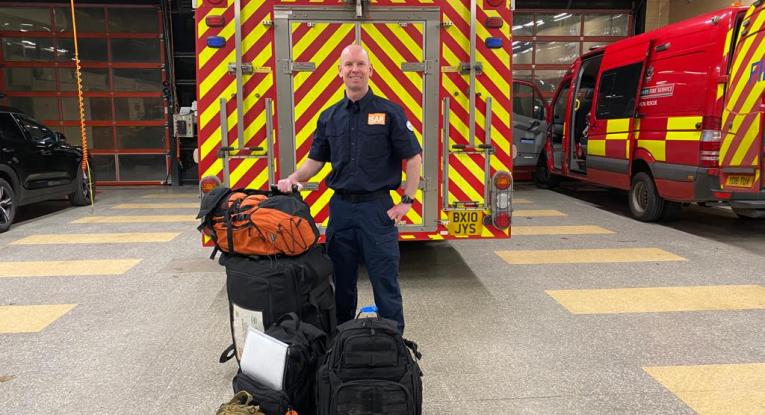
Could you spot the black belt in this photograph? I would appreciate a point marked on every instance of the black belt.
(362, 197)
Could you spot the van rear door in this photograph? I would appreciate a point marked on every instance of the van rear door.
(741, 149)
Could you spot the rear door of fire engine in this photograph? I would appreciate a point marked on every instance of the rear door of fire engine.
(613, 116)
(403, 48)
(741, 149)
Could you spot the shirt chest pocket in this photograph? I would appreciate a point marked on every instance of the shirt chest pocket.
(375, 142)
(338, 144)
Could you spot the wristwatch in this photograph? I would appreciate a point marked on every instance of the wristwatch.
(406, 199)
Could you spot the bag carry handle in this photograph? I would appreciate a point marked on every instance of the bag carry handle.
(368, 310)
(289, 316)
(227, 354)
(295, 191)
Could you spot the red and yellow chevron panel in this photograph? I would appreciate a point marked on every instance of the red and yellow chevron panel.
(389, 45)
(742, 120)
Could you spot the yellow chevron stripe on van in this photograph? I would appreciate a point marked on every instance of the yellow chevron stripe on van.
(596, 147)
(683, 123)
(617, 129)
(657, 148)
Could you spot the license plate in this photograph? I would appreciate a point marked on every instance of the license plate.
(739, 181)
(465, 222)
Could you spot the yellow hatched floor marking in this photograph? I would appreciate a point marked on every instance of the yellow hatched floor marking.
(559, 230)
(30, 318)
(97, 238)
(584, 256)
(67, 268)
(521, 201)
(721, 389)
(661, 299)
(157, 206)
(137, 219)
(538, 213)
(170, 196)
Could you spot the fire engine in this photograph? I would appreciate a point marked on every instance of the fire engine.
(267, 69)
(672, 116)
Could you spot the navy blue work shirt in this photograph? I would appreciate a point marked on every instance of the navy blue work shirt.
(365, 141)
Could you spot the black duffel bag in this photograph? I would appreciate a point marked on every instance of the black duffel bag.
(261, 290)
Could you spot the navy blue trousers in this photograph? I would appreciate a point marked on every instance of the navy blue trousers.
(362, 232)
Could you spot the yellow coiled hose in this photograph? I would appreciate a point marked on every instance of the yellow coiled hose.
(85, 165)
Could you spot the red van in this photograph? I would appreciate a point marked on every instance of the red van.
(644, 114)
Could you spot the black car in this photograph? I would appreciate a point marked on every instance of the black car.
(36, 164)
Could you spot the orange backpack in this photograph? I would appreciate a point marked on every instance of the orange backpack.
(255, 222)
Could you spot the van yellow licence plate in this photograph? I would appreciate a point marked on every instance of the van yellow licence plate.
(465, 222)
(739, 181)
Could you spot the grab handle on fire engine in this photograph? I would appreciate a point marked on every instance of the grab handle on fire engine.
(445, 154)
(224, 140)
(270, 141)
(487, 157)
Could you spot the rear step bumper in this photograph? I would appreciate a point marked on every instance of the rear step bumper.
(706, 185)
(747, 204)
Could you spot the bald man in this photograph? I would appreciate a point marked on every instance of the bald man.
(365, 137)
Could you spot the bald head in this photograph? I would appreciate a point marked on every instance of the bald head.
(355, 70)
(353, 50)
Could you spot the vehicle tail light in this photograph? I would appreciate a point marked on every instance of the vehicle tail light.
(502, 221)
(722, 195)
(215, 20)
(709, 149)
(502, 199)
(208, 183)
(502, 180)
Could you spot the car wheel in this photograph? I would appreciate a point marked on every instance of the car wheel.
(7, 205)
(81, 194)
(543, 179)
(645, 203)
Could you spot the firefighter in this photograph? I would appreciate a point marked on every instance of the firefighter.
(365, 138)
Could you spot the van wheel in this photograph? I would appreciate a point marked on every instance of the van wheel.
(7, 205)
(645, 203)
(542, 177)
(747, 214)
(81, 194)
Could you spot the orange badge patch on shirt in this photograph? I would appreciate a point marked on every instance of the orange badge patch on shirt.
(377, 118)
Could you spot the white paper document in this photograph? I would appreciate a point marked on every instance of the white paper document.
(264, 358)
(244, 318)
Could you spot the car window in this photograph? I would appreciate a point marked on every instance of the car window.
(618, 89)
(9, 129)
(36, 131)
(523, 100)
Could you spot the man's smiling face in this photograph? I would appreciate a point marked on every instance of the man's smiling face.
(355, 69)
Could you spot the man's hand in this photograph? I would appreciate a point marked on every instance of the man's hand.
(396, 213)
(285, 185)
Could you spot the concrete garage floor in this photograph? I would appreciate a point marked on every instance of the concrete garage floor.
(503, 325)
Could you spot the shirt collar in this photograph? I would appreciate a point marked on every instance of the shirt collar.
(362, 102)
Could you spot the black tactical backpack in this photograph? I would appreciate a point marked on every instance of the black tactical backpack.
(370, 370)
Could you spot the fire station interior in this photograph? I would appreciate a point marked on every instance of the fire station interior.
(582, 112)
